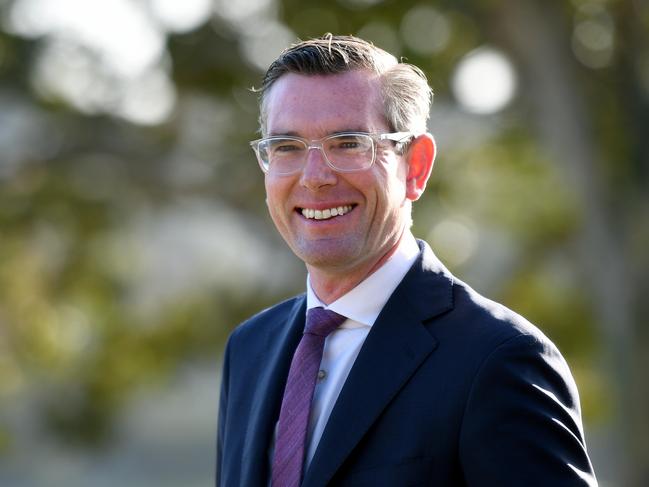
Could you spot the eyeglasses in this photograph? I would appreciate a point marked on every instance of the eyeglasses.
(343, 152)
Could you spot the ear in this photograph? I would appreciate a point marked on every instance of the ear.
(420, 158)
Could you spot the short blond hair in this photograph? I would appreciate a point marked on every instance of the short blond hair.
(406, 94)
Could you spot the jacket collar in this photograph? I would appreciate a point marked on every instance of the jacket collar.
(282, 338)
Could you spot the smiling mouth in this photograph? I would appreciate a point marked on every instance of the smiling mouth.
(325, 214)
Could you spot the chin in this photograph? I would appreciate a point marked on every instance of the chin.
(328, 256)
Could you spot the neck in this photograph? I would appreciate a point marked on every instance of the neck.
(330, 285)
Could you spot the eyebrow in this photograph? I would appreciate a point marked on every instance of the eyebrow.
(292, 133)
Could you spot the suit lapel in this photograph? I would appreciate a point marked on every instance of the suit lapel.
(396, 346)
(281, 343)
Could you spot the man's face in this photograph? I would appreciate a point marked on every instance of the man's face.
(376, 209)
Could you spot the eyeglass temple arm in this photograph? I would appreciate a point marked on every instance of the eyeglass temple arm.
(397, 136)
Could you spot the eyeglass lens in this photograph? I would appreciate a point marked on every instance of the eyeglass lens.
(345, 152)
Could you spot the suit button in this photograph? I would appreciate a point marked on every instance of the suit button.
(322, 374)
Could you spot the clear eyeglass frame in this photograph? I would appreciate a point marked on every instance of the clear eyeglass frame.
(264, 164)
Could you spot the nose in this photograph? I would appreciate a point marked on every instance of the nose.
(316, 173)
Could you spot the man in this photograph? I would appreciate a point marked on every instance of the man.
(422, 381)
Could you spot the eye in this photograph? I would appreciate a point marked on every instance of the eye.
(285, 145)
(348, 144)
(353, 143)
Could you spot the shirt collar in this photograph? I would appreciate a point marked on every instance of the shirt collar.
(364, 302)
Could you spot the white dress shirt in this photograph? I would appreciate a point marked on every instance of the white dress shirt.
(361, 306)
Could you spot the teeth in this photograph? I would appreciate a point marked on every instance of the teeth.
(326, 214)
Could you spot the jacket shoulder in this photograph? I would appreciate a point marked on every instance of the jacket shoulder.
(433, 291)
(490, 321)
(269, 318)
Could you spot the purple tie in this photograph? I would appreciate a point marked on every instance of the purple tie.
(290, 442)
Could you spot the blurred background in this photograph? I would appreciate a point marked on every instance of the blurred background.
(134, 235)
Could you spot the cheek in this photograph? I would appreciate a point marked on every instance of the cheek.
(274, 191)
(391, 183)
(277, 192)
(271, 199)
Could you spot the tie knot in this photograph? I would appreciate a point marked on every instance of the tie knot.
(321, 322)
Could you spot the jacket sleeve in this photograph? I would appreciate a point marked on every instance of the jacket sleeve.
(222, 416)
(522, 422)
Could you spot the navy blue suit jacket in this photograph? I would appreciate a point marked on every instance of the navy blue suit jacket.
(449, 389)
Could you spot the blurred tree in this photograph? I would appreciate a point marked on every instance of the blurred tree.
(592, 122)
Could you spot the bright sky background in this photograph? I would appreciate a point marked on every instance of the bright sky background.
(484, 81)
(110, 57)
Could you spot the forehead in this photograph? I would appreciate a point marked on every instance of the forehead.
(321, 104)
